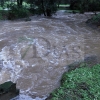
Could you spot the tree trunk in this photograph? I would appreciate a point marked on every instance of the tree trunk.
(43, 7)
(19, 2)
(58, 3)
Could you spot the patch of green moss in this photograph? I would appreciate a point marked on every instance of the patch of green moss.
(80, 84)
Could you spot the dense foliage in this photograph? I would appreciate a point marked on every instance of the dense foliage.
(80, 84)
(23, 8)
(85, 5)
(17, 12)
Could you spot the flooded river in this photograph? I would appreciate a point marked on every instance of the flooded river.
(34, 54)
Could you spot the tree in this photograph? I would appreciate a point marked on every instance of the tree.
(85, 5)
(47, 7)
(19, 2)
(2, 2)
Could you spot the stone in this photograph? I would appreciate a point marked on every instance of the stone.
(28, 19)
(8, 91)
(91, 60)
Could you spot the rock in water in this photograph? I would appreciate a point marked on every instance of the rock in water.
(28, 19)
(8, 91)
(91, 60)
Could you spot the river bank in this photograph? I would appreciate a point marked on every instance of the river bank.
(81, 82)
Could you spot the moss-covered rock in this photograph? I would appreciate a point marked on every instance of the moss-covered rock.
(95, 20)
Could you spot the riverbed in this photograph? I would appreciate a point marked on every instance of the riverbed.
(34, 54)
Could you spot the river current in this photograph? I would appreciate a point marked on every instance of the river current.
(34, 54)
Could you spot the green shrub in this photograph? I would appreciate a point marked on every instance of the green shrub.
(3, 14)
(17, 12)
(80, 84)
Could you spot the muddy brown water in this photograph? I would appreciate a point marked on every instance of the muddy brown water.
(35, 54)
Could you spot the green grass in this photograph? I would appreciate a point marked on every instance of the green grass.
(63, 5)
(79, 84)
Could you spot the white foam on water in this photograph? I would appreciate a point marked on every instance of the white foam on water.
(8, 59)
(25, 97)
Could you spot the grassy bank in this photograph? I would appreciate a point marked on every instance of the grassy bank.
(83, 83)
